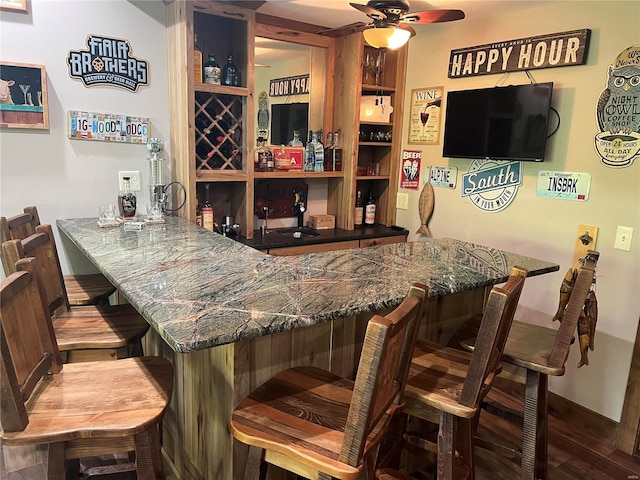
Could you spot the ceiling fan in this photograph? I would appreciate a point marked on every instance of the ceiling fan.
(391, 21)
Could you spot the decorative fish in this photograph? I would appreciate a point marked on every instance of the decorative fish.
(565, 292)
(425, 209)
(583, 337)
(591, 310)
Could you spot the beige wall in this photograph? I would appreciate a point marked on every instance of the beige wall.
(542, 227)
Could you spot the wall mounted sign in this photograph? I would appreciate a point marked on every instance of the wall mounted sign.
(564, 185)
(263, 115)
(108, 61)
(426, 109)
(107, 127)
(528, 53)
(23, 96)
(444, 177)
(282, 87)
(411, 169)
(278, 196)
(618, 111)
(14, 5)
(491, 185)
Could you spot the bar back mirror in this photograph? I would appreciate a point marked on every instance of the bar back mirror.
(291, 84)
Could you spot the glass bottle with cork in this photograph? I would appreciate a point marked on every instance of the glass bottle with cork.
(359, 212)
(197, 60)
(230, 73)
(127, 200)
(370, 209)
(212, 71)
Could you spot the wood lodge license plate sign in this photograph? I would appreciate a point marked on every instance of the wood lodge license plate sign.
(529, 53)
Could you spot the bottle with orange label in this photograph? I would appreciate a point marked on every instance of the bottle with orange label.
(197, 61)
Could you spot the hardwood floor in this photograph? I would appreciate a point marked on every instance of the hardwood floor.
(574, 454)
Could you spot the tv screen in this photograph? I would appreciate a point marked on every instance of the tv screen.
(499, 123)
(285, 118)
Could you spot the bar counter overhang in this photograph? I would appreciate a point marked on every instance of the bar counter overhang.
(200, 290)
(230, 317)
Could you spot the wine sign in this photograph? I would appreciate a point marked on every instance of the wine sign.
(426, 109)
(529, 53)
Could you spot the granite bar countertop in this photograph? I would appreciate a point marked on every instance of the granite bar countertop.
(198, 289)
(283, 237)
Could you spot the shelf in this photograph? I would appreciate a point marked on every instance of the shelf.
(377, 88)
(372, 177)
(375, 144)
(221, 176)
(298, 174)
(377, 124)
(221, 89)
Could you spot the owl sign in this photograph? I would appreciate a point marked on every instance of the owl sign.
(618, 111)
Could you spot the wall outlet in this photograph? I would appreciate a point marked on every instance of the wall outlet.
(402, 200)
(623, 238)
(134, 180)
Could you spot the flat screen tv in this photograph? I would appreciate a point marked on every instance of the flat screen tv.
(499, 123)
(285, 118)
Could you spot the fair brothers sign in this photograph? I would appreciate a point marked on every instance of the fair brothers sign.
(108, 61)
(492, 185)
(529, 53)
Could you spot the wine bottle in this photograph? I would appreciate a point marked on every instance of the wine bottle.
(370, 210)
(328, 153)
(337, 153)
(357, 220)
(198, 213)
(207, 211)
(230, 75)
(127, 200)
(212, 71)
(197, 61)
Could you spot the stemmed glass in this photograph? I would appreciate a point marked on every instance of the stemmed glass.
(25, 89)
(369, 67)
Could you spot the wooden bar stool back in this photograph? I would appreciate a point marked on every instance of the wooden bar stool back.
(543, 351)
(446, 385)
(91, 332)
(90, 289)
(79, 410)
(318, 425)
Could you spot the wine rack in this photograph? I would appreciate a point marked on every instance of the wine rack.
(218, 131)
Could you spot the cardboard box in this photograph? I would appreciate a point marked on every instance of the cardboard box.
(321, 222)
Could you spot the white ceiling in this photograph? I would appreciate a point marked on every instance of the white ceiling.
(335, 13)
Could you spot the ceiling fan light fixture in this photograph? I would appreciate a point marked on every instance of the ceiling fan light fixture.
(386, 37)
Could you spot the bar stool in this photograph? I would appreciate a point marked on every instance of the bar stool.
(88, 289)
(79, 410)
(91, 332)
(446, 385)
(541, 351)
(318, 425)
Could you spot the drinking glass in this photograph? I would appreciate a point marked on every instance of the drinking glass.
(154, 211)
(107, 214)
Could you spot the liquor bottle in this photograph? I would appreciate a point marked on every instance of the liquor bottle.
(207, 211)
(197, 61)
(296, 142)
(370, 210)
(264, 157)
(359, 210)
(318, 160)
(309, 157)
(328, 153)
(337, 153)
(198, 213)
(230, 75)
(127, 200)
(212, 71)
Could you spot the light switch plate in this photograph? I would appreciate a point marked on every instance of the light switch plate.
(623, 238)
(402, 200)
(134, 180)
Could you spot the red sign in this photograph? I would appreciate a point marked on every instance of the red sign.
(411, 169)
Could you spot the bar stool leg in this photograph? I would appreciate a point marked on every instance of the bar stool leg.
(535, 427)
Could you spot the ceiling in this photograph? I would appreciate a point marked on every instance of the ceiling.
(335, 13)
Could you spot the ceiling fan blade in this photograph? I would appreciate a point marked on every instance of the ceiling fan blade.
(432, 16)
(345, 29)
(371, 12)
